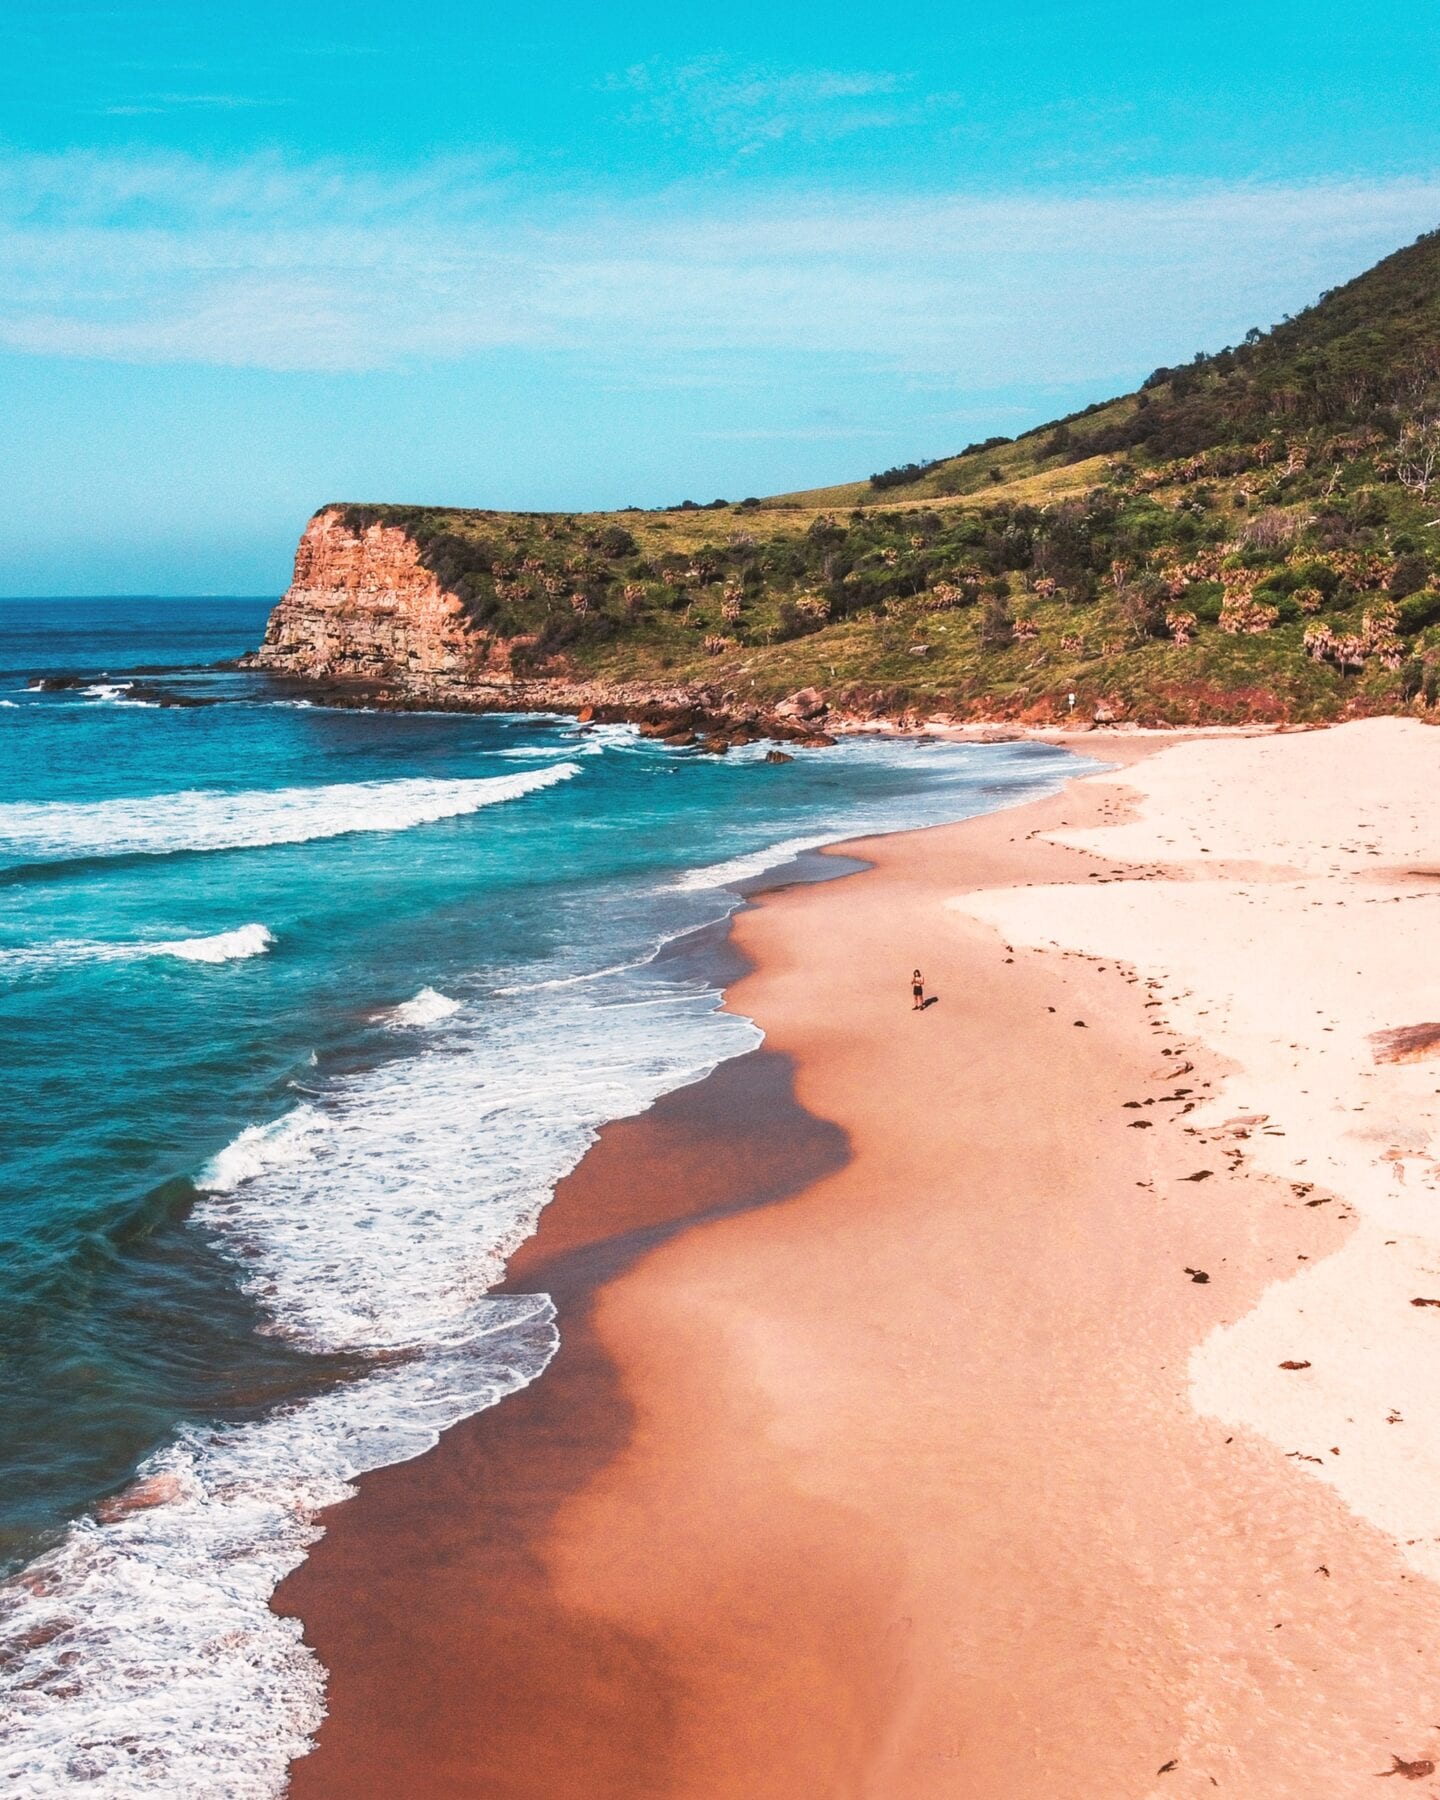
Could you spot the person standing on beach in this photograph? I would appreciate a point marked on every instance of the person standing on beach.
(917, 990)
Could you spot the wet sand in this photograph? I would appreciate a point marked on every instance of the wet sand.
(462, 1673)
(871, 1465)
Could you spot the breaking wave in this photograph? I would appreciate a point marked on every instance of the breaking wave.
(222, 947)
(749, 867)
(115, 693)
(427, 1008)
(140, 1657)
(204, 819)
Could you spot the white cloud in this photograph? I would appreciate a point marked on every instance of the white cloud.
(287, 266)
(745, 109)
(150, 104)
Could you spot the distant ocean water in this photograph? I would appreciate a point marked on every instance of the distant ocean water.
(306, 1012)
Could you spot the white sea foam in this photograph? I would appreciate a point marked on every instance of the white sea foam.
(377, 1213)
(224, 946)
(221, 947)
(979, 776)
(427, 1008)
(140, 1657)
(585, 976)
(747, 867)
(115, 693)
(259, 1148)
(204, 819)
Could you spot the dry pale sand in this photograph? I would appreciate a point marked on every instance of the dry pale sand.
(1298, 924)
(969, 1470)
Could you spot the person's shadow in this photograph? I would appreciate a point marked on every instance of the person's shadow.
(930, 1000)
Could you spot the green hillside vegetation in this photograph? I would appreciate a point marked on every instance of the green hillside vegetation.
(1250, 536)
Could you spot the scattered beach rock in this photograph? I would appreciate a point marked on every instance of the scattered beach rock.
(1412, 1771)
(1241, 1125)
(1294, 1365)
(1421, 1302)
(1199, 1175)
(778, 756)
(1197, 1275)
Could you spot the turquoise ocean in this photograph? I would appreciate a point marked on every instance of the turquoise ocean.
(304, 1012)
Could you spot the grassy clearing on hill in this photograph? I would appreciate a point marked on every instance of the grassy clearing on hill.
(1252, 536)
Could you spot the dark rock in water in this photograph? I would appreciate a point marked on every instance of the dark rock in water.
(158, 696)
(146, 692)
(778, 756)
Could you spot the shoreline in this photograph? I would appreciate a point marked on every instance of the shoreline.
(472, 1514)
(718, 720)
(898, 1488)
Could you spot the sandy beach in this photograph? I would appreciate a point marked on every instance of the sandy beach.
(1028, 1396)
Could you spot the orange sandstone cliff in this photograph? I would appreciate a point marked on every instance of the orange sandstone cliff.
(366, 622)
(363, 607)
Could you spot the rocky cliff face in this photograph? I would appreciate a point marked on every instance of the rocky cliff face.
(364, 622)
(363, 607)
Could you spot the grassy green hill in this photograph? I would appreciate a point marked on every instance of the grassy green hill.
(1251, 535)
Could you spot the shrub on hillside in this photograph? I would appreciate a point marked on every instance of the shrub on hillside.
(997, 623)
(1419, 610)
(1143, 604)
(904, 474)
(1410, 574)
(613, 541)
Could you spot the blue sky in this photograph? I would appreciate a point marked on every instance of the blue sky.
(254, 257)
